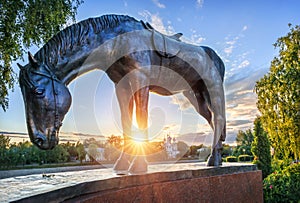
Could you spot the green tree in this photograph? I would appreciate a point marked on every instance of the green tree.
(93, 152)
(4, 142)
(81, 151)
(57, 155)
(227, 150)
(4, 149)
(115, 141)
(244, 141)
(71, 149)
(279, 97)
(261, 149)
(24, 23)
(194, 149)
(25, 152)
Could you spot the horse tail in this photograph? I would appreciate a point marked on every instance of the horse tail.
(216, 59)
(221, 68)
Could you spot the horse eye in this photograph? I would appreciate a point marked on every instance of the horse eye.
(39, 91)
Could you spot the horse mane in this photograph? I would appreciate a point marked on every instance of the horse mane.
(76, 35)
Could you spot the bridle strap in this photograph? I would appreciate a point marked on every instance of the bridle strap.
(53, 78)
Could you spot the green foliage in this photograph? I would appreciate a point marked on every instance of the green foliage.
(93, 152)
(71, 149)
(261, 149)
(244, 141)
(4, 142)
(243, 158)
(23, 23)
(231, 159)
(227, 150)
(25, 153)
(194, 149)
(283, 186)
(57, 155)
(244, 138)
(279, 97)
(116, 141)
(278, 165)
(80, 151)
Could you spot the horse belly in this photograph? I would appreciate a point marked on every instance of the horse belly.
(167, 81)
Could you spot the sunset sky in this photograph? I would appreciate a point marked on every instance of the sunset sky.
(241, 32)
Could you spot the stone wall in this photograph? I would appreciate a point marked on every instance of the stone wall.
(231, 183)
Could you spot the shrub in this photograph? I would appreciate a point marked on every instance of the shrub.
(283, 186)
(245, 157)
(278, 165)
(231, 159)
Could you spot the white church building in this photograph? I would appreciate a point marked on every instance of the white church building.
(171, 148)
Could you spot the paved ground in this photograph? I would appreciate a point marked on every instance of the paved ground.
(24, 172)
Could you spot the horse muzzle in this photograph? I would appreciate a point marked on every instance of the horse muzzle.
(46, 142)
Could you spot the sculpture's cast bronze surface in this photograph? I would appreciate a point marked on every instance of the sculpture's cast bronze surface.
(139, 60)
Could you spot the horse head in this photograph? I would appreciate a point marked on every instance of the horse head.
(46, 100)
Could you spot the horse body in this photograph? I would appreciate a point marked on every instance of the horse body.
(139, 60)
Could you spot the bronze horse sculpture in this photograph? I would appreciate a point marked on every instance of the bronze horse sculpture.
(139, 60)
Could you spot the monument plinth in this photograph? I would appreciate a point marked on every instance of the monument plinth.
(181, 182)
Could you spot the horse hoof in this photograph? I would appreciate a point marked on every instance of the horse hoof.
(121, 166)
(212, 161)
(121, 173)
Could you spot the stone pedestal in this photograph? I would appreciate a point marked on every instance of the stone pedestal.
(184, 182)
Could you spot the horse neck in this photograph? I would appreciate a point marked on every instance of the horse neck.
(77, 65)
(78, 57)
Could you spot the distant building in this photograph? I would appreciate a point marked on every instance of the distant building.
(99, 155)
(171, 148)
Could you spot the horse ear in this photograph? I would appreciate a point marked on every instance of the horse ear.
(20, 66)
(32, 60)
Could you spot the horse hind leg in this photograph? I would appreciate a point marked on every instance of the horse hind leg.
(218, 118)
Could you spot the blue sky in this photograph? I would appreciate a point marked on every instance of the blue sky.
(241, 32)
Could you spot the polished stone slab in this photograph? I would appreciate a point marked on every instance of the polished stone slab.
(61, 186)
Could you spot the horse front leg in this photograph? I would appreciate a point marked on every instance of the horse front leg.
(125, 100)
(139, 163)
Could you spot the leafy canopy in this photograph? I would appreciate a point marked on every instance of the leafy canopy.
(279, 97)
(244, 141)
(24, 23)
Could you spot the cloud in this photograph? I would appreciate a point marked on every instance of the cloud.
(235, 123)
(197, 39)
(181, 101)
(158, 4)
(199, 3)
(230, 45)
(244, 63)
(156, 21)
(228, 50)
(245, 28)
(241, 100)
